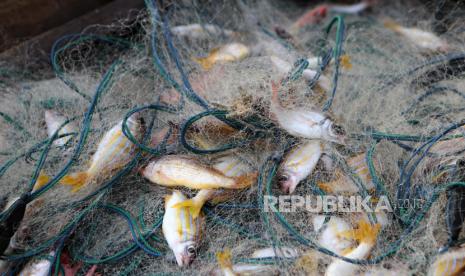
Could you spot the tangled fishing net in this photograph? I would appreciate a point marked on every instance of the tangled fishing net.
(392, 100)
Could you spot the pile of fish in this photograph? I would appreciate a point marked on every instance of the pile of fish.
(219, 180)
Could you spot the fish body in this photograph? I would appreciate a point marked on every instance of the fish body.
(451, 263)
(305, 123)
(38, 267)
(330, 237)
(181, 170)
(285, 67)
(198, 31)
(226, 53)
(366, 236)
(344, 184)
(351, 9)
(113, 152)
(313, 16)
(53, 120)
(230, 166)
(226, 267)
(181, 230)
(422, 39)
(299, 164)
(281, 252)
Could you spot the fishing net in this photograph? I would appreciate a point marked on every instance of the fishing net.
(392, 100)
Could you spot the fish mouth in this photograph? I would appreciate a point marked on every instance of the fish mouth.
(184, 261)
(286, 183)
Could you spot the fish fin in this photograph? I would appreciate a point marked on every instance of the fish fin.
(391, 24)
(193, 206)
(41, 181)
(365, 232)
(245, 180)
(438, 177)
(75, 180)
(325, 186)
(345, 62)
(205, 62)
(224, 258)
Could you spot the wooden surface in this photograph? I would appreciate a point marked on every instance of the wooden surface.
(39, 46)
(22, 19)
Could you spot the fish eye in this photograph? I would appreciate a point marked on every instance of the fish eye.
(191, 250)
(283, 178)
(338, 130)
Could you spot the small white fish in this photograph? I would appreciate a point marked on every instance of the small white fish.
(282, 252)
(198, 31)
(351, 9)
(114, 151)
(344, 184)
(451, 263)
(366, 235)
(38, 267)
(226, 53)
(181, 230)
(182, 170)
(299, 164)
(422, 39)
(284, 68)
(226, 268)
(305, 123)
(329, 237)
(230, 166)
(53, 120)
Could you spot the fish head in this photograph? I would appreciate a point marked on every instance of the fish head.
(150, 170)
(287, 182)
(334, 132)
(136, 124)
(185, 253)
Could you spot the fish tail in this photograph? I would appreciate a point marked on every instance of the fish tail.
(205, 62)
(75, 180)
(224, 258)
(194, 206)
(391, 24)
(345, 62)
(245, 180)
(365, 232)
(41, 181)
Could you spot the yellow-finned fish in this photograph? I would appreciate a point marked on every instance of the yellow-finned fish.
(113, 152)
(230, 166)
(343, 183)
(422, 39)
(226, 53)
(198, 31)
(183, 170)
(284, 68)
(451, 263)
(226, 267)
(181, 230)
(53, 120)
(329, 236)
(280, 252)
(366, 235)
(299, 164)
(314, 63)
(305, 123)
